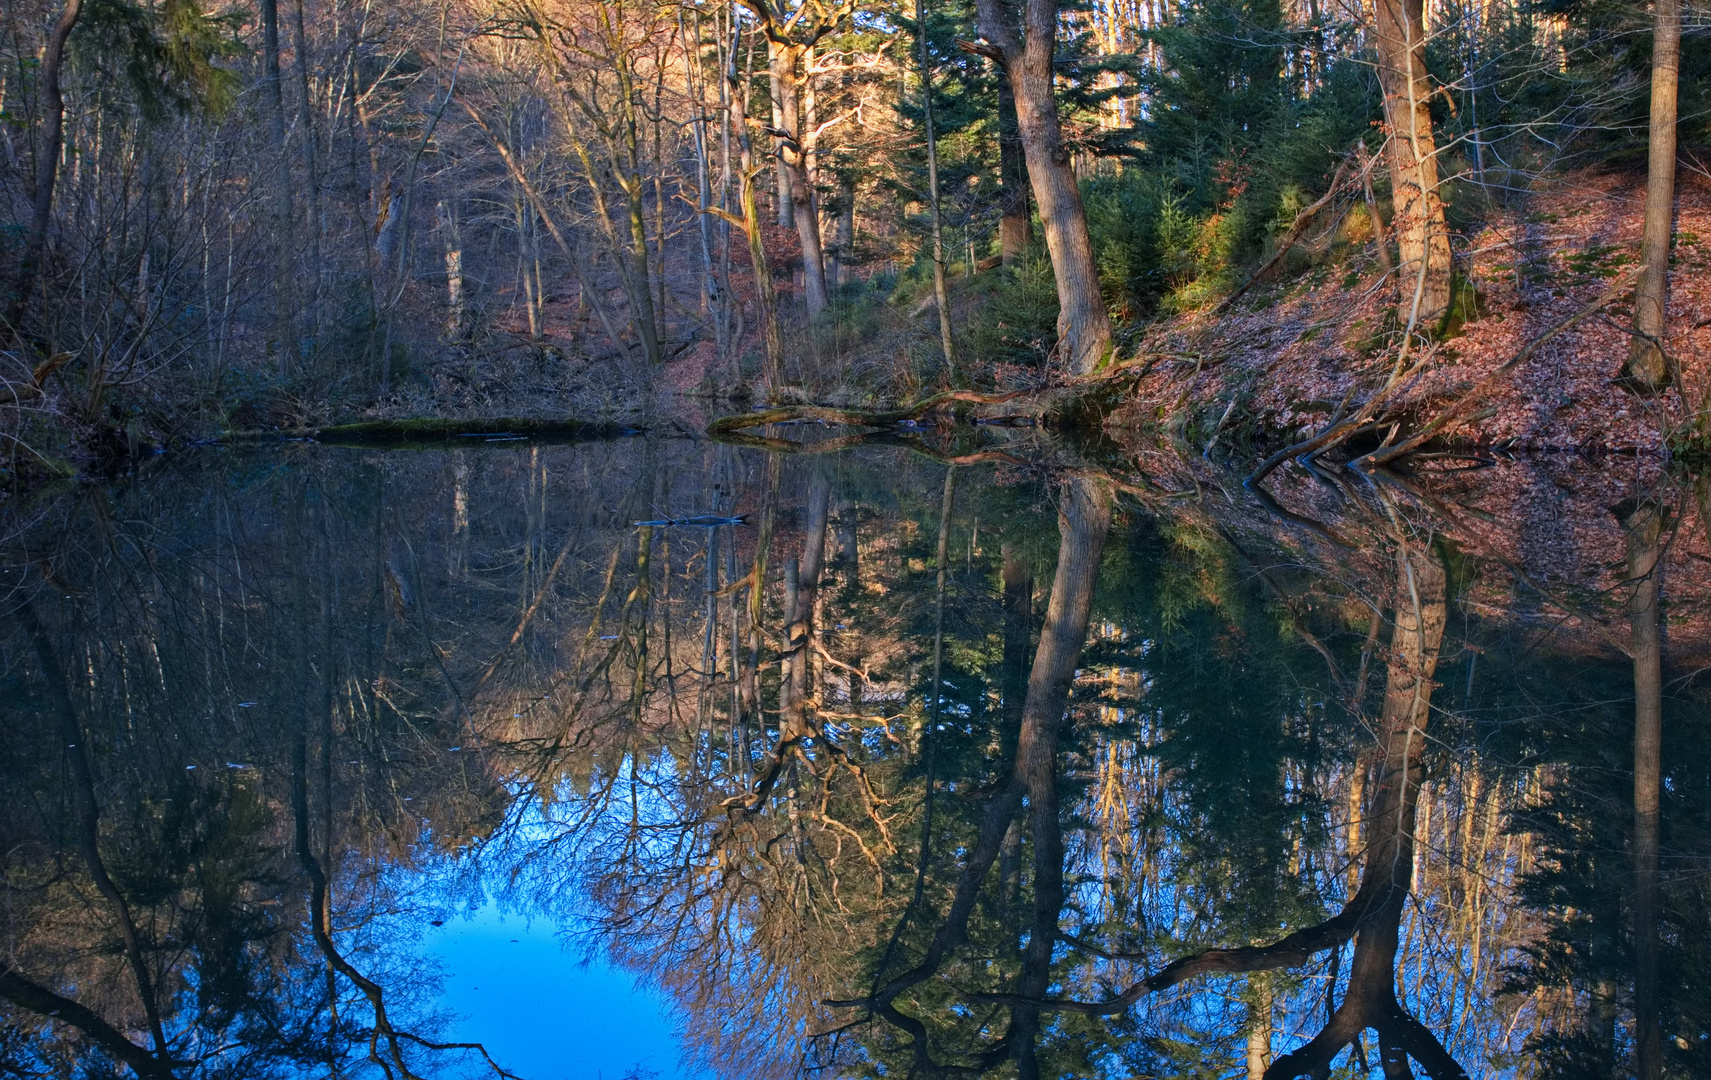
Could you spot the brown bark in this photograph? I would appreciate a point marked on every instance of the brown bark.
(1015, 230)
(1644, 523)
(1647, 367)
(785, 58)
(1083, 325)
(941, 290)
(1422, 238)
(47, 161)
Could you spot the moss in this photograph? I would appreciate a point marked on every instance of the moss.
(444, 431)
(1466, 305)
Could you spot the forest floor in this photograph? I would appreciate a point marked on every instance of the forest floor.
(1288, 362)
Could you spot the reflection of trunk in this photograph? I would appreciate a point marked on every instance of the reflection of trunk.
(1421, 236)
(1259, 1028)
(88, 833)
(1644, 523)
(1647, 366)
(47, 158)
(1083, 326)
(1373, 915)
(799, 629)
(1083, 521)
(1013, 224)
(1387, 875)
(1018, 609)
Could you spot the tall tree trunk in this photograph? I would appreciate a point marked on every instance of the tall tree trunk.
(784, 204)
(1014, 227)
(311, 168)
(1647, 367)
(1084, 327)
(452, 237)
(941, 290)
(1644, 523)
(1421, 235)
(785, 58)
(838, 263)
(47, 161)
(750, 203)
(284, 336)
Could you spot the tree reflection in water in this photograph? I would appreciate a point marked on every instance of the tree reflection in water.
(861, 760)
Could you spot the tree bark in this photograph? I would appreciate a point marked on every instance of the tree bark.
(785, 58)
(1422, 238)
(1015, 230)
(1644, 523)
(47, 161)
(272, 86)
(1083, 325)
(1647, 367)
(941, 290)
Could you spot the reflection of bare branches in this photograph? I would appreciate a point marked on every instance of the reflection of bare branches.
(320, 928)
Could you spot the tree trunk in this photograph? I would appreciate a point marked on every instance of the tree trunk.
(784, 203)
(941, 289)
(1421, 236)
(1014, 228)
(1645, 525)
(1647, 367)
(1084, 327)
(452, 237)
(311, 169)
(784, 59)
(838, 264)
(47, 161)
(283, 334)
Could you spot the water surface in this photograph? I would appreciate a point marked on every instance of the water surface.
(1025, 759)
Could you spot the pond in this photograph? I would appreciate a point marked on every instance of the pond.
(1025, 758)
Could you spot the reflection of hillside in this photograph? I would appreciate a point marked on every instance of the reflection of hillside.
(770, 799)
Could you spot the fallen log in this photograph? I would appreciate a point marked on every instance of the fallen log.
(883, 418)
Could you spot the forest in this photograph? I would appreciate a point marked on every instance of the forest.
(1097, 539)
(233, 220)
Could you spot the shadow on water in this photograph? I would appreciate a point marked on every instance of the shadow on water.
(931, 754)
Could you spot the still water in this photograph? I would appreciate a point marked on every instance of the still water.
(682, 759)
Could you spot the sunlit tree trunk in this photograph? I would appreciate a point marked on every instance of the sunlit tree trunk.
(1647, 367)
(1083, 325)
(786, 60)
(1421, 235)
